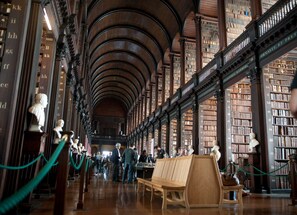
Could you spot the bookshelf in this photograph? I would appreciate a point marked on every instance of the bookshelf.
(266, 4)
(190, 60)
(167, 83)
(5, 9)
(210, 41)
(160, 89)
(238, 119)
(186, 128)
(173, 135)
(282, 129)
(238, 15)
(176, 73)
(153, 98)
(207, 124)
(156, 137)
(61, 93)
(163, 137)
(150, 143)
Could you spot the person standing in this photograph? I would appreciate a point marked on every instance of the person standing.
(143, 157)
(116, 160)
(160, 152)
(129, 160)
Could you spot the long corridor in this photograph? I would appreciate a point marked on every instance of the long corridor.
(105, 197)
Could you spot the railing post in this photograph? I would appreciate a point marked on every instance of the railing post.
(80, 203)
(87, 175)
(293, 178)
(62, 174)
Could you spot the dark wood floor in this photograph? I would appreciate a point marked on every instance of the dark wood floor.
(105, 197)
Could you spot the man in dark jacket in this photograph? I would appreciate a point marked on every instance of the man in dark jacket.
(129, 162)
(116, 160)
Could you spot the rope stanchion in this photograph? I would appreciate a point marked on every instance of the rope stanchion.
(77, 167)
(17, 197)
(21, 167)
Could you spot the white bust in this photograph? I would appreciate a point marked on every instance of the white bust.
(253, 142)
(37, 110)
(215, 151)
(57, 130)
(190, 150)
(81, 148)
(75, 145)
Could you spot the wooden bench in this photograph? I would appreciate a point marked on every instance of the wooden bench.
(191, 181)
(169, 178)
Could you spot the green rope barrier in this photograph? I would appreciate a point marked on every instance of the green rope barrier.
(261, 172)
(55, 164)
(77, 167)
(87, 165)
(17, 197)
(21, 167)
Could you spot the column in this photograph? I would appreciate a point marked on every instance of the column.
(156, 91)
(178, 129)
(182, 61)
(195, 125)
(198, 43)
(222, 24)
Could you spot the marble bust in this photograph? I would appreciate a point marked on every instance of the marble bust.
(37, 111)
(253, 142)
(74, 146)
(215, 151)
(190, 150)
(57, 130)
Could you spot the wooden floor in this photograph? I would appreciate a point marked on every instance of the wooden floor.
(106, 197)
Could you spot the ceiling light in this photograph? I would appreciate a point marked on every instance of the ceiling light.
(47, 20)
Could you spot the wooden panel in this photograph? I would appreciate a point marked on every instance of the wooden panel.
(204, 187)
(209, 8)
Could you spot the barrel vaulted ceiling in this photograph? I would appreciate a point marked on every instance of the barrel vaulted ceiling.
(130, 39)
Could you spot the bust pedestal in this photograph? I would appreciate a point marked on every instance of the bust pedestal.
(254, 159)
(34, 143)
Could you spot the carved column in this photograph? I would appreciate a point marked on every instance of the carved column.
(259, 126)
(221, 128)
(171, 56)
(222, 24)
(163, 84)
(256, 9)
(151, 100)
(182, 61)
(198, 43)
(195, 125)
(68, 103)
(53, 98)
(178, 129)
(27, 71)
(167, 133)
(156, 91)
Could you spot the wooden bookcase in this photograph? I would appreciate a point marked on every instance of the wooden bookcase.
(167, 83)
(160, 90)
(156, 137)
(173, 135)
(282, 127)
(190, 60)
(238, 15)
(5, 9)
(176, 73)
(266, 4)
(210, 41)
(207, 124)
(153, 98)
(163, 137)
(238, 119)
(187, 128)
